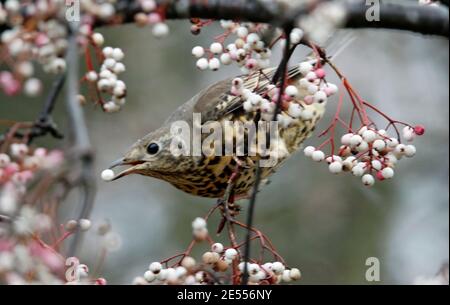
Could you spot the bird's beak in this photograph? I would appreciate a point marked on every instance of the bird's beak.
(123, 162)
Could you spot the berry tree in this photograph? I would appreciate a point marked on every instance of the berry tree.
(55, 36)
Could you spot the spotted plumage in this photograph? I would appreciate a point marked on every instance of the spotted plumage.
(208, 176)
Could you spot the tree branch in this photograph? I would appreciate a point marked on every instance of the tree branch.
(428, 20)
(44, 124)
(81, 148)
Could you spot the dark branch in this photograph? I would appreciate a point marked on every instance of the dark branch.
(428, 20)
(44, 124)
(445, 2)
(5, 219)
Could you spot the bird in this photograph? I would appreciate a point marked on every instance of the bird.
(209, 175)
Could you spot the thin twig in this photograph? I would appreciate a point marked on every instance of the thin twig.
(280, 73)
(44, 124)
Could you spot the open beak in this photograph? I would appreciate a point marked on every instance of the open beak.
(134, 166)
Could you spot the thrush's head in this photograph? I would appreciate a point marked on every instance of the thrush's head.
(153, 155)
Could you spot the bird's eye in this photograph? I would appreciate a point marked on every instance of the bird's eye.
(152, 148)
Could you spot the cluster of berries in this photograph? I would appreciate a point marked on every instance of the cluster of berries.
(152, 15)
(46, 43)
(215, 264)
(26, 256)
(297, 99)
(247, 50)
(370, 153)
(107, 80)
(20, 166)
(189, 272)
(30, 34)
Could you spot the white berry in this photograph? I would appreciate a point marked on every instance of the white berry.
(231, 253)
(160, 30)
(217, 247)
(368, 180)
(216, 48)
(335, 167)
(305, 67)
(410, 151)
(202, 64)
(387, 173)
(198, 51)
(107, 175)
(295, 110)
(225, 58)
(379, 145)
(345, 139)
(291, 91)
(318, 156)
(214, 64)
(369, 135)
(85, 224)
(155, 267)
(356, 140)
(98, 39)
(309, 150)
(358, 170)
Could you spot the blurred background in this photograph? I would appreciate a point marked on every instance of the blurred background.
(325, 225)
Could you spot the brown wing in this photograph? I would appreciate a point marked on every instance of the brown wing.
(216, 100)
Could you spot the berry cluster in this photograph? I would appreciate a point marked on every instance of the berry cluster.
(247, 50)
(369, 153)
(154, 16)
(218, 263)
(107, 80)
(312, 88)
(20, 166)
(33, 32)
(20, 45)
(30, 237)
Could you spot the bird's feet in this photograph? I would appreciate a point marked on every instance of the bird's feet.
(229, 211)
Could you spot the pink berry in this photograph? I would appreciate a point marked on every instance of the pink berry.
(251, 63)
(26, 175)
(309, 99)
(154, 18)
(380, 176)
(100, 281)
(419, 130)
(328, 91)
(40, 152)
(320, 73)
(9, 84)
(11, 168)
(41, 40)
